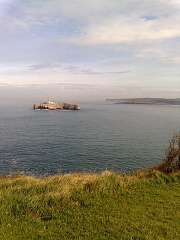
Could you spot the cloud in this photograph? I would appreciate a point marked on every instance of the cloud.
(71, 69)
(115, 43)
(84, 14)
(89, 71)
(94, 22)
(119, 72)
(123, 30)
(40, 66)
(79, 92)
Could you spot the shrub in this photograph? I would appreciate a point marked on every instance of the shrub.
(172, 160)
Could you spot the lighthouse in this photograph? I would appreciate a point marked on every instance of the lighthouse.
(49, 102)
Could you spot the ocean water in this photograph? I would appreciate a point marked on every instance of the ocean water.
(122, 138)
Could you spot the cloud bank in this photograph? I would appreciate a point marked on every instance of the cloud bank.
(114, 44)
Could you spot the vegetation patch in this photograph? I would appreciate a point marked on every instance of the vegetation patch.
(143, 205)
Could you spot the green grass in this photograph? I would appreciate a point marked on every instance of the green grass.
(144, 205)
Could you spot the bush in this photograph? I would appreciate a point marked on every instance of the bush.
(172, 160)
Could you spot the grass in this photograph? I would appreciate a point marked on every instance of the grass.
(144, 205)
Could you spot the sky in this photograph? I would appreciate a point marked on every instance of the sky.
(79, 50)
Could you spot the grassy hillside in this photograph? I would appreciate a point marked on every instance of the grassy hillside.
(144, 205)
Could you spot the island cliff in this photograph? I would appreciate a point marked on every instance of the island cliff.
(53, 106)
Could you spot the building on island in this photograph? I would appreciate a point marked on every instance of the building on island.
(49, 102)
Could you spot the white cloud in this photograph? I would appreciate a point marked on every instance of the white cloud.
(96, 22)
(124, 30)
(137, 41)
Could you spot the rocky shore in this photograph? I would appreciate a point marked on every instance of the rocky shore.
(53, 106)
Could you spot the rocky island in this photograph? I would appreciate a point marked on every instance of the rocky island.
(53, 106)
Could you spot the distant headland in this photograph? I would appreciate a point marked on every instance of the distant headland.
(148, 101)
(53, 106)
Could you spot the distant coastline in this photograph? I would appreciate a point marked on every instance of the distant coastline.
(147, 101)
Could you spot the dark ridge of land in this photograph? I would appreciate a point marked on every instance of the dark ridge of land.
(149, 101)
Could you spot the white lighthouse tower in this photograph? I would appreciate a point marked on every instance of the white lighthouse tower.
(49, 102)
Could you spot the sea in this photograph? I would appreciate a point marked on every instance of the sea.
(101, 136)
